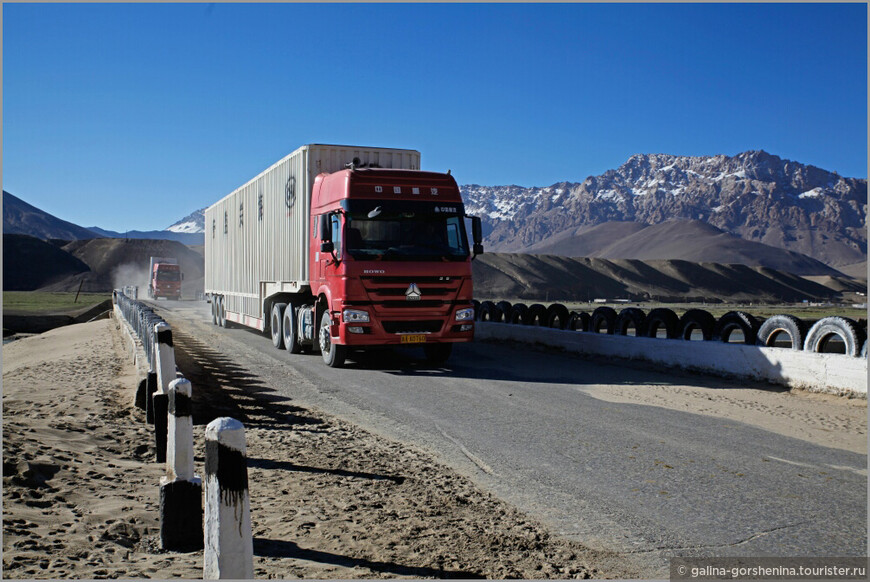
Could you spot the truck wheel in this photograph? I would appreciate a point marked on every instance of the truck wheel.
(333, 354)
(214, 316)
(437, 353)
(275, 324)
(288, 328)
(222, 314)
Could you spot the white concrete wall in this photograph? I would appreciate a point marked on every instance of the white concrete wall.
(832, 373)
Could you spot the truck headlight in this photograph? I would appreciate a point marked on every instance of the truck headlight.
(465, 314)
(355, 316)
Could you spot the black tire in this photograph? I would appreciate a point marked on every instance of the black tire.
(489, 311)
(601, 317)
(438, 353)
(518, 313)
(630, 317)
(578, 321)
(214, 315)
(276, 319)
(476, 304)
(824, 329)
(697, 319)
(222, 313)
(536, 315)
(734, 320)
(557, 316)
(333, 354)
(289, 326)
(505, 307)
(776, 325)
(662, 318)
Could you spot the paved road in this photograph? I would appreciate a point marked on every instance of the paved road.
(641, 480)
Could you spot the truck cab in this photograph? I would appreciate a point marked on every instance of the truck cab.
(390, 262)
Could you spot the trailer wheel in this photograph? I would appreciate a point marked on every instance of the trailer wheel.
(437, 353)
(826, 329)
(697, 319)
(275, 321)
(777, 325)
(222, 313)
(665, 319)
(289, 331)
(214, 315)
(333, 354)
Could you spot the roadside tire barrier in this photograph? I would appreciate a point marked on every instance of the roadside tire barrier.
(697, 319)
(505, 307)
(578, 321)
(773, 327)
(476, 304)
(826, 328)
(557, 316)
(864, 350)
(665, 319)
(489, 311)
(518, 313)
(536, 315)
(603, 317)
(630, 317)
(734, 320)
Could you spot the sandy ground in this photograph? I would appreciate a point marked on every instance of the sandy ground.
(328, 500)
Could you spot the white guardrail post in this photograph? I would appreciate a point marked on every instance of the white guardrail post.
(229, 546)
(165, 360)
(180, 489)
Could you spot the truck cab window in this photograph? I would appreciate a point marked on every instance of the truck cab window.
(335, 229)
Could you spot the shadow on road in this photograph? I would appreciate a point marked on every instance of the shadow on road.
(284, 549)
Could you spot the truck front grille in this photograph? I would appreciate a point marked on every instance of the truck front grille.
(426, 326)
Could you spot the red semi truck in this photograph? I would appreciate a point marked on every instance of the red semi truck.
(164, 278)
(336, 248)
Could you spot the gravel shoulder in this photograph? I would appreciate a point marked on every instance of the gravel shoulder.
(328, 499)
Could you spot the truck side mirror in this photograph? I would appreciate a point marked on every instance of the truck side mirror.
(477, 235)
(325, 231)
(327, 247)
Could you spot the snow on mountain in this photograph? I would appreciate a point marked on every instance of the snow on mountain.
(754, 195)
(192, 223)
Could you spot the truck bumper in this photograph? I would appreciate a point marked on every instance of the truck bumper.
(417, 330)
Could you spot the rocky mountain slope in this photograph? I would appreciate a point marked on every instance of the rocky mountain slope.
(192, 223)
(756, 196)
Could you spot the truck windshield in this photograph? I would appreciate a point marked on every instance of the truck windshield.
(164, 275)
(408, 237)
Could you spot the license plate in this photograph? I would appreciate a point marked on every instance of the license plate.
(414, 339)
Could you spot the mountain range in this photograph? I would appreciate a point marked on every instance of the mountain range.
(754, 209)
(755, 196)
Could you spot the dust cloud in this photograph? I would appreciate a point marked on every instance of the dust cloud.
(131, 274)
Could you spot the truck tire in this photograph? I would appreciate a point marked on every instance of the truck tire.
(289, 326)
(214, 315)
(222, 313)
(630, 317)
(578, 321)
(782, 324)
(536, 315)
(275, 320)
(333, 354)
(697, 319)
(518, 313)
(489, 311)
(557, 316)
(734, 320)
(662, 318)
(438, 353)
(824, 329)
(603, 317)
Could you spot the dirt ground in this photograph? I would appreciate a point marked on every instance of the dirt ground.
(328, 500)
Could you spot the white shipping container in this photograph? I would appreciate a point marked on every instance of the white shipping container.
(256, 239)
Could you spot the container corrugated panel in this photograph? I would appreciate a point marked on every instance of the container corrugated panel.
(259, 232)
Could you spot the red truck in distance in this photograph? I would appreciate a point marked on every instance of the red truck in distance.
(339, 248)
(164, 278)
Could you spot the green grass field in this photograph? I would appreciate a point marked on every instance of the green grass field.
(40, 302)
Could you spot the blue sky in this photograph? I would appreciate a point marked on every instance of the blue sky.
(131, 116)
